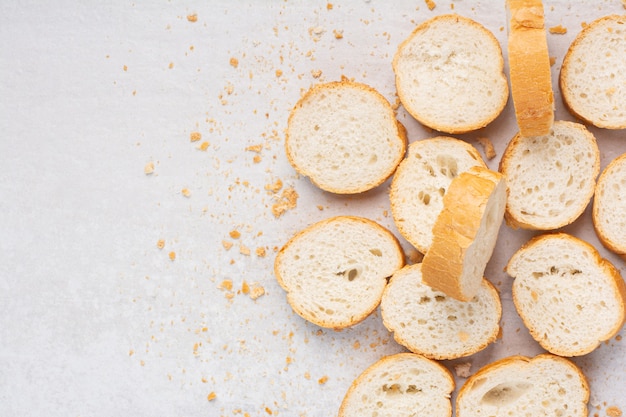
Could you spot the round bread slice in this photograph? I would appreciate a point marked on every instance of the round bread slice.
(568, 297)
(421, 181)
(335, 271)
(345, 137)
(546, 385)
(404, 384)
(450, 74)
(609, 206)
(593, 74)
(529, 67)
(550, 178)
(465, 233)
(430, 323)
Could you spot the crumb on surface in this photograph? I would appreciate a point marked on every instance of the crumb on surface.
(234, 62)
(204, 146)
(338, 33)
(256, 291)
(226, 284)
(430, 3)
(462, 370)
(275, 187)
(613, 411)
(288, 200)
(260, 252)
(149, 168)
(329, 6)
(322, 380)
(185, 192)
(279, 73)
(487, 145)
(316, 73)
(235, 234)
(244, 250)
(172, 255)
(226, 244)
(195, 136)
(160, 243)
(245, 288)
(211, 396)
(552, 60)
(192, 17)
(558, 30)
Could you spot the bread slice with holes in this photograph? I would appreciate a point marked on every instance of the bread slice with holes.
(429, 322)
(450, 74)
(592, 77)
(421, 181)
(546, 385)
(403, 384)
(335, 271)
(568, 296)
(609, 206)
(550, 178)
(529, 67)
(465, 233)
(345, 137)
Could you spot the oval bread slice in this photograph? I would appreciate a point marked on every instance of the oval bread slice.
(546, 385)
(421, 181)
(430, 323)
(450, 74)
(568, 297)
(609, 206)
(403, 384)
(335, 271)
(345, 137)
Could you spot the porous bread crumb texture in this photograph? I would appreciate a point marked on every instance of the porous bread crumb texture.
(609, 206)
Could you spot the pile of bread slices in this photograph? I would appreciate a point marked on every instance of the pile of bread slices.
(450, 206)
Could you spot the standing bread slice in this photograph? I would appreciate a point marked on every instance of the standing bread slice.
(403, 384)
(465, 233)
(450, 74)
(421, 181)
(529, 67)
(568, 296)
(593, 74)
(609, 206)
(335, 271)
(345, 137)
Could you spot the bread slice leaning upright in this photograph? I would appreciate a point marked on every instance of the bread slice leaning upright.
(465, 233)
(609, 208)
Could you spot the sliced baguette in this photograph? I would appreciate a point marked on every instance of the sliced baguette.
(568, 297)
(428, 322)
(403, 384)
(593, 74)
(529, 67)
(335, 271)
(546, 385)
(550, 178)
(465, 233)
(609, 206)
(450, 74)
(345, 137)
(421, 181)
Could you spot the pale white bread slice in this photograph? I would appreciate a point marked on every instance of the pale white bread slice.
(550, 178)
(546, 385)
(593, 73)
(430, 323)
(450, 74)
(568, 296)
(335, 271)
(345, 137)
(421, 181)
(404, 384)
(529, 67)
(465, 233)
(609, 206)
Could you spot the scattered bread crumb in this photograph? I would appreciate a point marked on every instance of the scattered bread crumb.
(256, 159)
(160, 243)
(204, 146)
(320, 207)
(338, 34)
(131, 352)
(613, 411)
(195, 136)
(322, 380)
(255, 148)
(149, 168)
(558, 30)
(185, 192)
(211, 396)
(288, 200)
(316, 73)
(125, 68)
(260, 252)
(275, 187)
(256, 291)
(279, 73)
(430, 3)
(192, 17)
(171, 65)
(462, 370)
(244, 250)
(552, 60)
(226, 284)
(235, 234)
(329, 6)
(234, 62)
(487, 145)
(245, 288)
(227, 245)
(172, 255)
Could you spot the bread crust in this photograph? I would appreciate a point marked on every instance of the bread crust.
(600, 226)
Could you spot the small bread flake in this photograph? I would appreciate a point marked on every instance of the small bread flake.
(131, 352)
(234, 62)
(256, 291)
(226, 284)
(558, 30)
(552, 60)
(172, 255)
(430, 3)
(329, 6)
(462, 370)
(171, 65)
(613, 411)
(192, 17)
(288, 200)
(204, 146)
(255, 148)
(149, 168)
(185, 192)
(125, 68)
(322, 380)
(211, 396)
(316, 73)
(279, 73)
(260, 252)
(235, 234)
(275, 187)
(487, 145)
(244, 250)
(338, 34)
(227, 245)
(245, 288)
(256, 159)
(195, 136)
(160, 243)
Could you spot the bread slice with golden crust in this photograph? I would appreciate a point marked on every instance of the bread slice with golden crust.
(529, 67)
(335, 271)
(568, 296)
(404, 384)
(465, 233)
(609, 206)
(546, 385)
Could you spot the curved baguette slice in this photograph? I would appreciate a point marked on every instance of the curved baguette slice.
(335, 271)
(420, 182)
(550, 178)
(568, 297)
(609, 210)
(345, 137)
(529, 67)
(400, 385)
(428, 322)
(465, 233)
(450, 74)
(546, 385)
(593, 74)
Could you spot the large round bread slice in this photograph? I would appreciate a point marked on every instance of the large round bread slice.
(421, 181)
(609, 206)
(550, 178)
(345, 137)
(335, 271)
(430, 323)
(450, 74)
(568, 297)
(593, 74)
(404, 384)
(546, 385)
